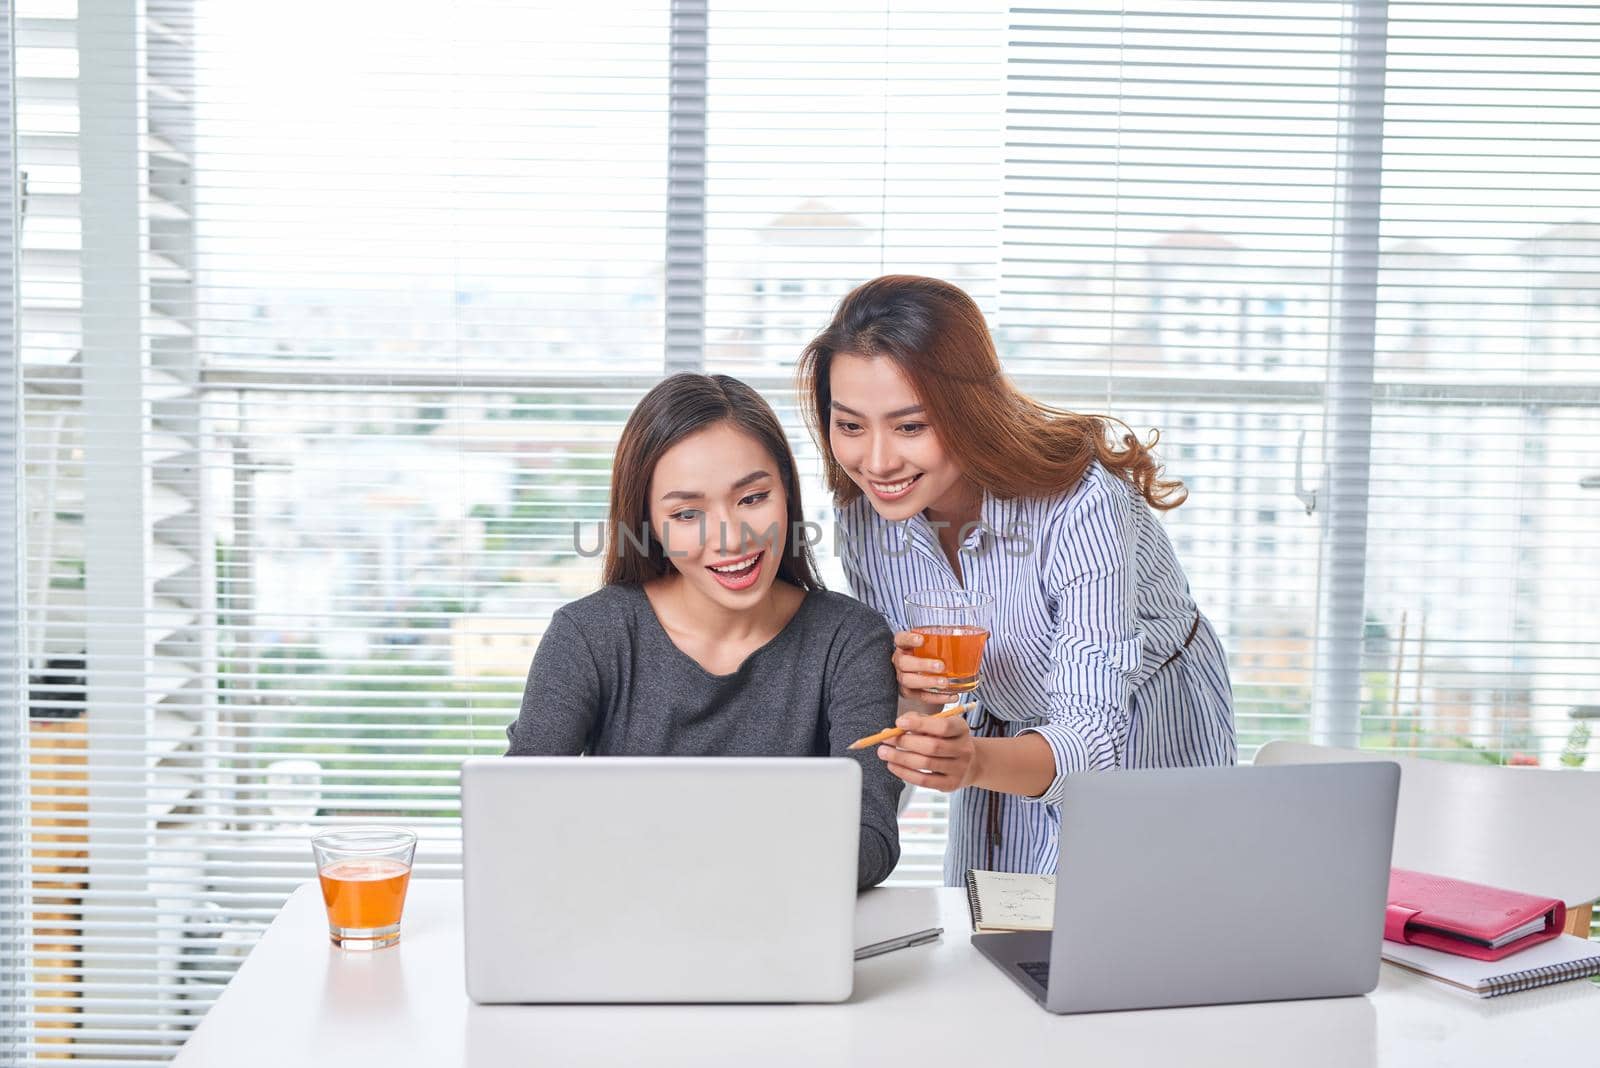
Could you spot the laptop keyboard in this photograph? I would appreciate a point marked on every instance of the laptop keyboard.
(1038, 971)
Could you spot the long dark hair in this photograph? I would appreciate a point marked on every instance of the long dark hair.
(677, 407)
(1005, 441)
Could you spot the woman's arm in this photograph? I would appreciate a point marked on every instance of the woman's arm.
(561, 702)
(1095, 654)
(860, 695)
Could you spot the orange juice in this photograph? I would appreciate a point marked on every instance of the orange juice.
(364, 894)
(961, 649)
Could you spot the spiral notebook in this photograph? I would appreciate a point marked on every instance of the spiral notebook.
(1556, 961)
(1010, 901)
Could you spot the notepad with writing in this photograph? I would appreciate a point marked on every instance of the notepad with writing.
(1010, 901)
(1555, 961)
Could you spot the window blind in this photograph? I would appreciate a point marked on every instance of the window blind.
(323, 379)
(1171, 224)
(13, 793)
(320, 371)
(321, 376)
(842, 144)
(118, 579)
(1344, 256)
(1482, 568)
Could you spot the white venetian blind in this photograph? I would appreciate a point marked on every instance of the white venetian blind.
(116, 575)
(1483, 574)
(843, 143)
(13, 793)
(1345, 256)
(1171, 228)
(322, 371)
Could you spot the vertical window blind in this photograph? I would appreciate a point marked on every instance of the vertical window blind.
(842, 144)
(321, 377)
(1172, 216)
(13, 793)
(1482, 566)
(1345, 257)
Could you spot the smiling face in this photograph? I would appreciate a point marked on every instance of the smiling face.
(717, 504)
(880, 435)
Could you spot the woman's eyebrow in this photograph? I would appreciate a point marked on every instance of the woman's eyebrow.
(897, 413)
(695, 495)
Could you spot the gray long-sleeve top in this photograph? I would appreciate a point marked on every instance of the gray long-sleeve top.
(607, 680)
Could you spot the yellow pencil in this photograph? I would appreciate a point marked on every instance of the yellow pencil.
(895, 732)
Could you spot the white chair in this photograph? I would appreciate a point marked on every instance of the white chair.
(1520, 828)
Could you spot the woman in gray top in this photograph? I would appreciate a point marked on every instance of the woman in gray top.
(712, 635)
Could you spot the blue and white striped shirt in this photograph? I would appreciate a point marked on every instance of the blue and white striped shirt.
(1090, 602)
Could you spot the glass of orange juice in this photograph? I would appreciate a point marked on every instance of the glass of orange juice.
(954, 625)
(364, 872)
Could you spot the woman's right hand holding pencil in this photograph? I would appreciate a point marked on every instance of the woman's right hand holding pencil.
(936, 751)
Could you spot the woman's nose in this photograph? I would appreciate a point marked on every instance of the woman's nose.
(732, 535)
(724, 533)
(881, 459)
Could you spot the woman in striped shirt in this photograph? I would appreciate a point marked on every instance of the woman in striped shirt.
(945, 476)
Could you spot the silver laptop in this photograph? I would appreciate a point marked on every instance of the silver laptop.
(664, 879)
(1202, 886)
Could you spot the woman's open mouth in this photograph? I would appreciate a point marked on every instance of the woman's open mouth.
(893, 491)
(739, 574)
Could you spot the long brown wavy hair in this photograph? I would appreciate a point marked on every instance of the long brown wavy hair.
(678, 406)
(1007, 443)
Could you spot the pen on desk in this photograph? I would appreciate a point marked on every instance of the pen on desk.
(889, 945)
(895, 732)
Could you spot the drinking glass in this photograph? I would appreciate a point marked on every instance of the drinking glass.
(364, 872)
(954, 625)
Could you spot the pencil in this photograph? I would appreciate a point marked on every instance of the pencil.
(895, 732)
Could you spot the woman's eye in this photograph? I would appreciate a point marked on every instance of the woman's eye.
(848, 428)
(685, 515)
(756, 498)
(913, 428)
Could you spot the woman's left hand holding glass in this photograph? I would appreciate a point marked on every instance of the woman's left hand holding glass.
(939, 754)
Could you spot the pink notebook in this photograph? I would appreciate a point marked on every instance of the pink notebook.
(1467, 919)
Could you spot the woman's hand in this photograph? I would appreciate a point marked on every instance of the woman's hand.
(936, 753)
(916, 674)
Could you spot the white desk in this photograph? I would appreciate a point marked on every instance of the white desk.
(298, 1001)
